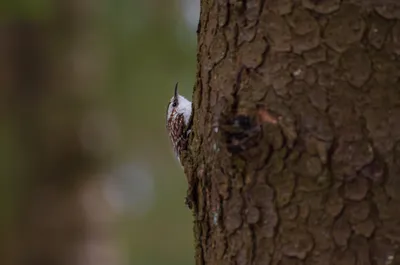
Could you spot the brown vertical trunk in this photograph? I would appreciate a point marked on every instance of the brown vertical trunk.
(296, 133)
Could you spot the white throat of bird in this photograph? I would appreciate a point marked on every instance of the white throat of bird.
(181, 106)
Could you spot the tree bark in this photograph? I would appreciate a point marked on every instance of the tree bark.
(295, 152)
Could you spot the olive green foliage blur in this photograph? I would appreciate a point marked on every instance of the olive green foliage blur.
(150, 54)
(146, 50)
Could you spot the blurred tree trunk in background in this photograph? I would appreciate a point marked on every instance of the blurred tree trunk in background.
(296, 133)
(50, 187)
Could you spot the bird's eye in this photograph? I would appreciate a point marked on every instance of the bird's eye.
(174, 104)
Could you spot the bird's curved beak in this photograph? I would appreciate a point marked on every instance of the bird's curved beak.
(176, 90)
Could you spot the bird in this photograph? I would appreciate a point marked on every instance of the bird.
(179, 112)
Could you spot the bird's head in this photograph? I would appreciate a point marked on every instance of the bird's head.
(179, 105)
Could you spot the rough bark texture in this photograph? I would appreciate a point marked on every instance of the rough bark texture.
(296, 133)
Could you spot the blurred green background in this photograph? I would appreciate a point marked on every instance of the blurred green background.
(126, 57)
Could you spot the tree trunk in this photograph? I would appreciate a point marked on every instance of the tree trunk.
(296, 152)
